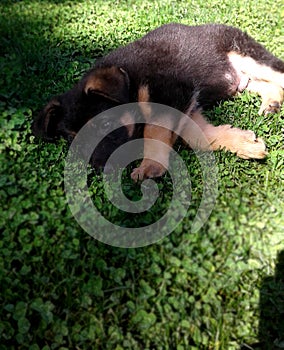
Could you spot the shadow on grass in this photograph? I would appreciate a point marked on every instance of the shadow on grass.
(271, 304)
(35, 61)
(271, 327)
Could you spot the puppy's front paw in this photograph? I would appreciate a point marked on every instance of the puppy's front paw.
(148, 169)
(249, 146)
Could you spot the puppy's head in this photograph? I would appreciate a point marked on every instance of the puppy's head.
(99, 90)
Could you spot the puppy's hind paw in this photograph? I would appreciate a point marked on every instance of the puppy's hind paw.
(273, 108)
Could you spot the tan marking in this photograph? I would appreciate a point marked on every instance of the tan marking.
(93, 84)
(53, 102)
(156, 154)
(127, 120)
(98, 79)
(72, 133)
(48, 110)
(143, 99)
(155, 132)
(111, 82)
(254, 70)
(143, 94)
(202, 135)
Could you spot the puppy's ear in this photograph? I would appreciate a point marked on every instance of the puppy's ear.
(46, 123)
(110, 82)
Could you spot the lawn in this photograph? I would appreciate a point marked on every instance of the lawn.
(221, 287)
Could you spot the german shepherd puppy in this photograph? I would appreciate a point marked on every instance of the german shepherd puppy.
(184, 67)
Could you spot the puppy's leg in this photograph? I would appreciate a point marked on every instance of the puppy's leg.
(256, 70)
(157, 144)
(156, 154)
(262, 78)
(271, 94)
(199, 134)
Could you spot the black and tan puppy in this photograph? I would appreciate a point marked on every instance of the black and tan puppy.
(185, 67)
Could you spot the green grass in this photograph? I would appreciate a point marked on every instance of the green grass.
(219, 288)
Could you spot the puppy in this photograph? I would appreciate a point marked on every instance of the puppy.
(184, 67)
